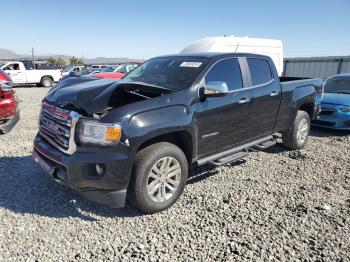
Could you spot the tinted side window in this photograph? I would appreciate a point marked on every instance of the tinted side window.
(259, 70)
(12, 67)
(228, 71)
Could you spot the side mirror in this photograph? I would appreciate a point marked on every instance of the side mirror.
(214, 89)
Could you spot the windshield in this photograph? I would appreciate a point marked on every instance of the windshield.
(175, 73)
(68, 69)
(338, 85)
(109, 69)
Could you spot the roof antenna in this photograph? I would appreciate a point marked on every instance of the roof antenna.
(237, 47)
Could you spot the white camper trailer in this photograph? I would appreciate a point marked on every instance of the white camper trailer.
(269, 47)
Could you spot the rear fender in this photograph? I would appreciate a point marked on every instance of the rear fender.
(302, 96)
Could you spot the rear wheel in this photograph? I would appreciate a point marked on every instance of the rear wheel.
(46, 81)
(297, 137)
(159, 177)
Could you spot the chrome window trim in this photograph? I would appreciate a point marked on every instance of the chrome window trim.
(222, 59)
(200, 83)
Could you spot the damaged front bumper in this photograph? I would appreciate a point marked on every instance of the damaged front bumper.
(8, 124)
(99, 175)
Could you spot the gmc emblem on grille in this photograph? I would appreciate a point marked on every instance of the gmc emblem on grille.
(52, 126)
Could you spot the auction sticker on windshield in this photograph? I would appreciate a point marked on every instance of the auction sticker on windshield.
(191, 64)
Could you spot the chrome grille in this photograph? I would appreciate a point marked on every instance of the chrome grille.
(57, 126)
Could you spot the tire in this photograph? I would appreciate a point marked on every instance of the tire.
(297, 137)
(143, 180)
(46, 81)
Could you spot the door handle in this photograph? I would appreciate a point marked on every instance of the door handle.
(244, 100)
(274, 93)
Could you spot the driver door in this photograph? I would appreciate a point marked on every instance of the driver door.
(223, 122)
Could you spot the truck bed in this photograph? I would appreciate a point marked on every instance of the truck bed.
(293, 88)
(297, 82)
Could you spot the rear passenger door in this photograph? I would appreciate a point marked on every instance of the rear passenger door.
(223, 122)
(266, 96)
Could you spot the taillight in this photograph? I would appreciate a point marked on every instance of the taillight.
(5, 81)
(4, 77)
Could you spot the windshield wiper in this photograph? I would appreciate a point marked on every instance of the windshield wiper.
(154, 85)
(138, 94)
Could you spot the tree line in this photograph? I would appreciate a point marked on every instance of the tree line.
(61, 63)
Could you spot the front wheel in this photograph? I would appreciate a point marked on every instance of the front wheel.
(159, 177)
(297, 137)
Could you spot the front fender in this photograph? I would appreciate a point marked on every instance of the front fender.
(150, 124)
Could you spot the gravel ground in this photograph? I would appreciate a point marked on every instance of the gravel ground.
(274, 205)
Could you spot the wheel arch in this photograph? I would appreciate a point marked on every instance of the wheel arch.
(182, 139)
(309, 108)
(49, 76)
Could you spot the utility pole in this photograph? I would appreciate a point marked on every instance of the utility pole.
(33, 59)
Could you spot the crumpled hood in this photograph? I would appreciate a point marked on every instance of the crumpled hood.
(89, 94)
(93, 95)
(336, 99)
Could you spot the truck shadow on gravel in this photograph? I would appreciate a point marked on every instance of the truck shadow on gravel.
(26, 189)
(198, 174)
(324, 132)
(314, 132)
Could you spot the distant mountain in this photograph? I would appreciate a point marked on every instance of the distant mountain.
(8, 54)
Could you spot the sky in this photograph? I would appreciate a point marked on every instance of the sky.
(144, 29)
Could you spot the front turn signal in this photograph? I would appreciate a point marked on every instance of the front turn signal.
(113, 134)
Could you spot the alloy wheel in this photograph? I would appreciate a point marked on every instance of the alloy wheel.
(303, 130)
(164, 179)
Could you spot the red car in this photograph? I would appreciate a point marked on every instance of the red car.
(9, 112)
(117, 72)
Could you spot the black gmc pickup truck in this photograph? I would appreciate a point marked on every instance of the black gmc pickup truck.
(135, 139)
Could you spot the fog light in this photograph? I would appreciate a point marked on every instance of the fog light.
(94, 171)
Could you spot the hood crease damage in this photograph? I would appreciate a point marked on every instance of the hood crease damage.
(90, 96)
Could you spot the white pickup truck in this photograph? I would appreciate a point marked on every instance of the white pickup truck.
(27, 73)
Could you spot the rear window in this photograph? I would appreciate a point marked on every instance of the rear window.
(259, 70)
